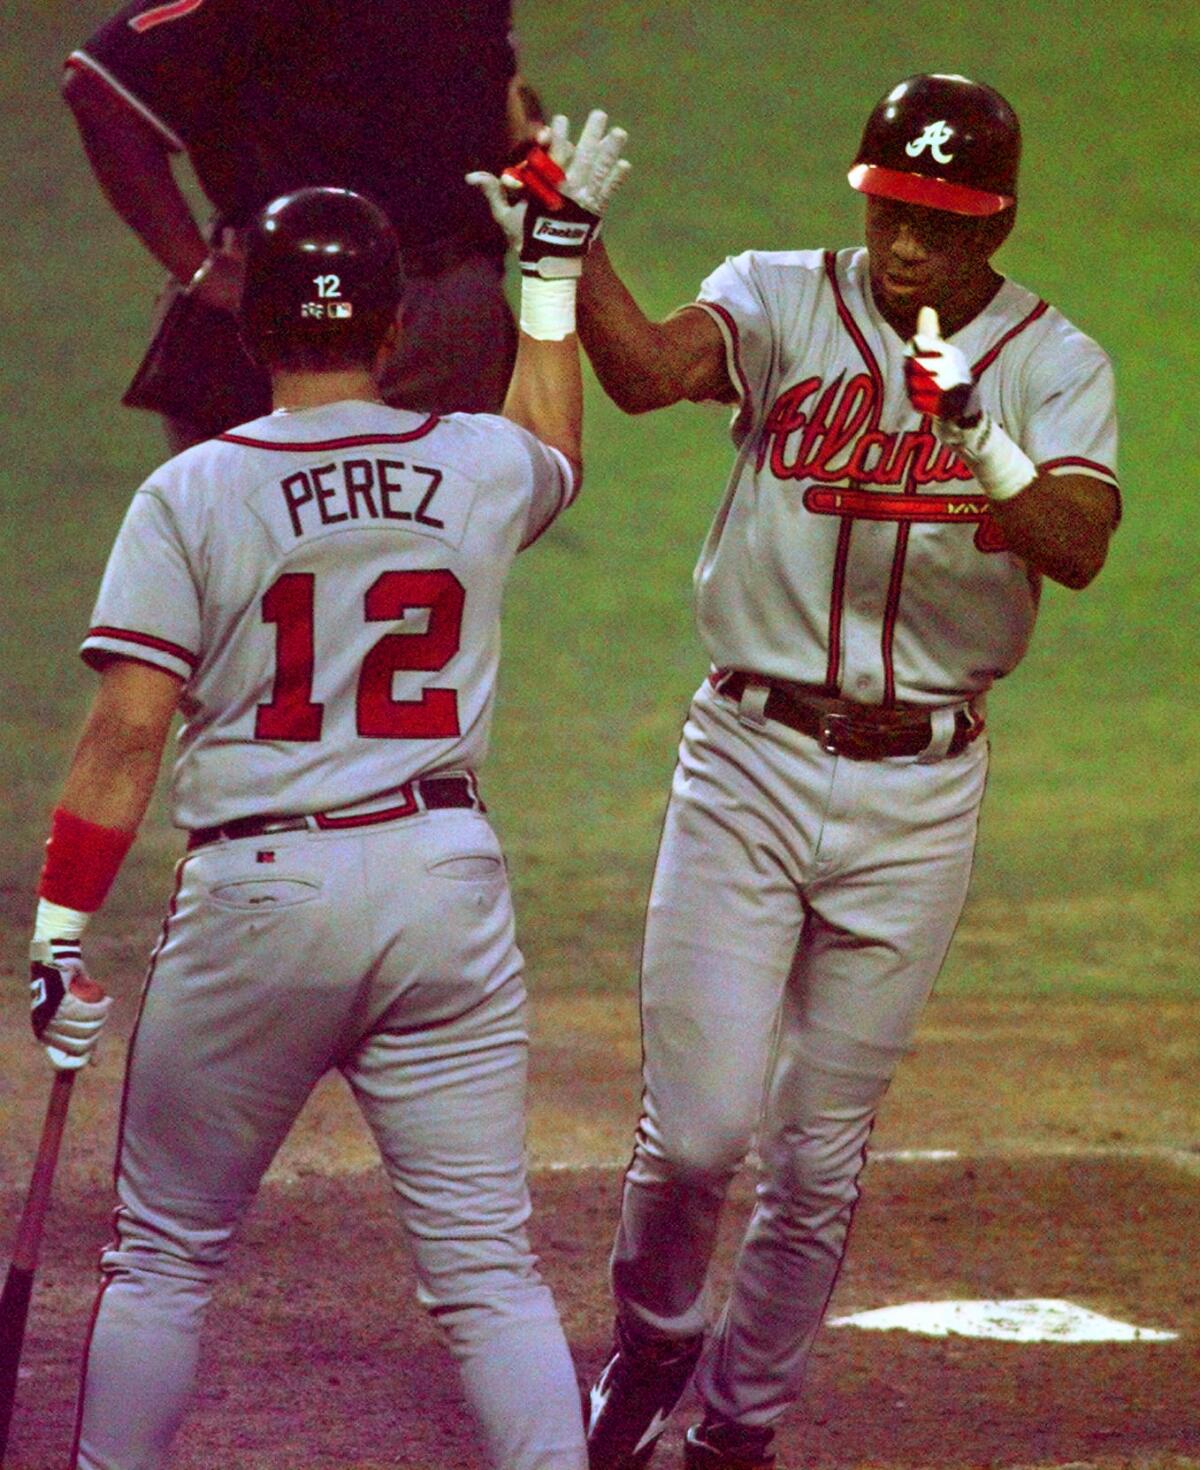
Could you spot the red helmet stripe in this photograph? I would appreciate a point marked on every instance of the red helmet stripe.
(890, 183)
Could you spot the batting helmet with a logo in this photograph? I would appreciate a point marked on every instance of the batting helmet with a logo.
(943, 142)
(323, 277)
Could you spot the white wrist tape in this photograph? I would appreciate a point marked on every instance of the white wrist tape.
(547, 308)
(56, 921)
(1002, 468)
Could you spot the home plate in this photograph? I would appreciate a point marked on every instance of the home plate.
(1032, 1319)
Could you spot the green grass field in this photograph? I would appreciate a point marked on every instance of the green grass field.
(742, 120)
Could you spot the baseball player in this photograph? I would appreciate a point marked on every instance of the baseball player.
(919, 441)
(318, 594)
(394, 99)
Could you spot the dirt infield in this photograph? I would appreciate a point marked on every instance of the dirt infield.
(317, 1356)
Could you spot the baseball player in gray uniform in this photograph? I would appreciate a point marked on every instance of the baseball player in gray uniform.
(318, 593)
(918, 442)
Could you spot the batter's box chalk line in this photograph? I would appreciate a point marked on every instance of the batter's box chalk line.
(1187, 1160)
(1028, 1319)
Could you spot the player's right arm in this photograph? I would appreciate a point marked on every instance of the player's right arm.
(103, 801)
(131, 162)
(643, 364)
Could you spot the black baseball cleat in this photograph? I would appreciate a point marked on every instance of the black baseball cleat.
(719, 1445)
(633, 1398)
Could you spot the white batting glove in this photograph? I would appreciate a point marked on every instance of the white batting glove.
(940, 383)
(67, 1008)
(594, 167)
(564, 189)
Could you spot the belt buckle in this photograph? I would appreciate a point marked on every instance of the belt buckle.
(832, 721)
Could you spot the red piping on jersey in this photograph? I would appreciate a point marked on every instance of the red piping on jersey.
(107, 1280)
(746, 408)
(145, 640)
(891, 612)
(372, 819)
(993, 353)
(146, 983)
(163, 13)
(351, 441)
(836, 599)
(1083, 464)
(837, 594)
(855, 332)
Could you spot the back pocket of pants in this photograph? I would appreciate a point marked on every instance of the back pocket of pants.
(252, 894)
(468, 867)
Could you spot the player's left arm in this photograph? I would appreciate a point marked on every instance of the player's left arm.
(112, 774)
(104, 798)
(550, 206)
(1059, 523)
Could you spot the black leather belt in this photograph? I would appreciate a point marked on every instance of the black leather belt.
(431, 794)
(859, 732)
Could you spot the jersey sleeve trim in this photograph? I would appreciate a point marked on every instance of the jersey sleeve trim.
(568, 491)
(1075, 462)
(728, 327)
(141, 647)
(81, 60)
(161, 14)
(1067, 463)
(350, 441)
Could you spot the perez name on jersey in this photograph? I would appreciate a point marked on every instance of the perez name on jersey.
(391, 490)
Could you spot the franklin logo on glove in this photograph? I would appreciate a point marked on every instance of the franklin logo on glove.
(550, 206)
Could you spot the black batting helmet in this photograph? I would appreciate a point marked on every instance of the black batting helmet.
(323, 278)
(943, 142)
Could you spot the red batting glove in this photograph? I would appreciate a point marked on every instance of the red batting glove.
(538, 175)
(937, 376)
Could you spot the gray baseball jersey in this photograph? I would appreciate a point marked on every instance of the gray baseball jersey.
(803, 901)
(852, 550)
(328, 583)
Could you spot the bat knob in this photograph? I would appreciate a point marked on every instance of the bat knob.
(84, 988)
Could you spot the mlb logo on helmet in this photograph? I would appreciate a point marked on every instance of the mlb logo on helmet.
(314, 258)
(326, 310)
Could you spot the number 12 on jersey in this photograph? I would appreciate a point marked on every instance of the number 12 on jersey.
(290, 604)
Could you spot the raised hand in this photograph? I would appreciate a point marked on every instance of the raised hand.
(551, 204)
(938, 377)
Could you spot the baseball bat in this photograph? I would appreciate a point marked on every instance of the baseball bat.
(18, 1286)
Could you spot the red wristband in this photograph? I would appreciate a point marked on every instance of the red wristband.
(82, 859)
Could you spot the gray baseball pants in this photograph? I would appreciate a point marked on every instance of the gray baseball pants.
(387, 952)
(801, 908)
